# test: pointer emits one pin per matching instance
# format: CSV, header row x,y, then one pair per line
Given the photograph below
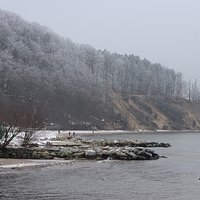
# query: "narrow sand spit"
x,y
19,163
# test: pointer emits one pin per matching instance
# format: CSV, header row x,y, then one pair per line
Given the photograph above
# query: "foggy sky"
x,y
162,31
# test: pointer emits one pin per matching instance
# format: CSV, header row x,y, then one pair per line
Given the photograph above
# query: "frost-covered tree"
x,y
38,65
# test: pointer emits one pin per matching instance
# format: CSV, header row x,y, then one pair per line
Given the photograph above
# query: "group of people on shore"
x,y
73,134
69,134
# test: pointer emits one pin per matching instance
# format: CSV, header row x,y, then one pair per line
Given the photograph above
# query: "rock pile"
x,y
88,149
116,153
129,143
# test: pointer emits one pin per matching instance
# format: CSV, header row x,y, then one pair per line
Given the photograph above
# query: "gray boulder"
x,y
90,153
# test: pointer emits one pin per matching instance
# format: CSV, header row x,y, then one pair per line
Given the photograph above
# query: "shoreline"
x,y
12,163
49,134
108,132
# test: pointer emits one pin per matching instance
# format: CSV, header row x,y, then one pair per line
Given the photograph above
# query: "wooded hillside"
x,y
76,85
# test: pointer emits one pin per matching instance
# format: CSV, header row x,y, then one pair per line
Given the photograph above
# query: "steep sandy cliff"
x,y
139,112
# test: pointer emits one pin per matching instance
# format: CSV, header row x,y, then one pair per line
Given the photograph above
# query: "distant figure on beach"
x,y
58,130
69,134
73,134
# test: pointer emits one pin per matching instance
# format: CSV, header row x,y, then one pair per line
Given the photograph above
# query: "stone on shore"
x,y
90,153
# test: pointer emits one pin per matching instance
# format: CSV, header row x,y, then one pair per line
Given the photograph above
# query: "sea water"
x,y
173,178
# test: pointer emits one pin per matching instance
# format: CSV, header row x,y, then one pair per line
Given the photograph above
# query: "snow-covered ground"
x,y
40,137
43,136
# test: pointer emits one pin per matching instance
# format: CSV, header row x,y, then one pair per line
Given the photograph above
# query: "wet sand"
x,y
19,163
4,161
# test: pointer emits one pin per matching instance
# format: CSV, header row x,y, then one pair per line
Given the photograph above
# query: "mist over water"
x,y
173,178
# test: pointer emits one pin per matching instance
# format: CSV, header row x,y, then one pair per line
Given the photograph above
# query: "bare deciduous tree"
x,y
15,119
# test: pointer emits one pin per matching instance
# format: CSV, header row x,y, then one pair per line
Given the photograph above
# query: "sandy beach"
x,y
20,163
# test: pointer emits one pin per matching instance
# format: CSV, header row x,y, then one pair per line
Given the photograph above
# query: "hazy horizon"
x,y
164,32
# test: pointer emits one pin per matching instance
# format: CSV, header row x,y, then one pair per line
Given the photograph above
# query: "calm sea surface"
x,y
176,177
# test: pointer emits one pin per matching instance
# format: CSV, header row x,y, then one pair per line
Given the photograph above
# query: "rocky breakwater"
x,y
128,143
87,149
121,153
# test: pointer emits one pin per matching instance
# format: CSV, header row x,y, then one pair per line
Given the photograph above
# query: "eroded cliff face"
x,y
141,112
